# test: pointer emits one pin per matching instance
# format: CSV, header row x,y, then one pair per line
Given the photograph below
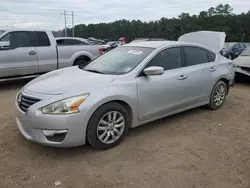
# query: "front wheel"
x,y
107,126
218,95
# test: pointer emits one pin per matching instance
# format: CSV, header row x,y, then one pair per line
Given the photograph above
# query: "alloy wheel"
x,y
219,95
110,127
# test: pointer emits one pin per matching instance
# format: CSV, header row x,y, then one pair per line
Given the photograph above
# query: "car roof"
x,y
21,29
157,44
78,38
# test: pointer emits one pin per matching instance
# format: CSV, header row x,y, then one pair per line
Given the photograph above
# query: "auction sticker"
x,y
135,52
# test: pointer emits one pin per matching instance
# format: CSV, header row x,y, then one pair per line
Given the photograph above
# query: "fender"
x,y
129,101
80,53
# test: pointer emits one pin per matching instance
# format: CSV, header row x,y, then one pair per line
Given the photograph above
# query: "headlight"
x,y
65,106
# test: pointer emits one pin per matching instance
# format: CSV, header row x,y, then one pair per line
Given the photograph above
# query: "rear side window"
x,y
42,38
195,56
212,56
168,59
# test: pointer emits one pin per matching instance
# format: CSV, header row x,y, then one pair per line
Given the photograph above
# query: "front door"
x,y
160,94
20,56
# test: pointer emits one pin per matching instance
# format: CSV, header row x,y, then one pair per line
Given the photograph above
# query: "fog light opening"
x,y
55,135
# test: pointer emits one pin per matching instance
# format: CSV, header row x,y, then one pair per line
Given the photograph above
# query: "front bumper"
x,y
36,127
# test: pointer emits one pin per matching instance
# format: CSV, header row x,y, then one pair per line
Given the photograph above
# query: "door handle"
x,y
32,53
182,77
212,69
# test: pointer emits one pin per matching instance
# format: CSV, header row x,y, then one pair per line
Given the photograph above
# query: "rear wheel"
x,y
107,126
218,95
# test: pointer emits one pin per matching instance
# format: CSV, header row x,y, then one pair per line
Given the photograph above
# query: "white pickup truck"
x,y
29,53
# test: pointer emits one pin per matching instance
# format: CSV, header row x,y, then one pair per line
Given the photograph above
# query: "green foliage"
x,y
220,18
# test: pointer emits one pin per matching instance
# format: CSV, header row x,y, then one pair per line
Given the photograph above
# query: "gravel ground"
x,y
198,148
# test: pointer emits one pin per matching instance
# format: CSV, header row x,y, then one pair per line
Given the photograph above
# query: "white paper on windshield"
x,y
135,52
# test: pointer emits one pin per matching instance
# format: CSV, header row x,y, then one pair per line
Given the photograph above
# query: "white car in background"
x,y
65,41
242,63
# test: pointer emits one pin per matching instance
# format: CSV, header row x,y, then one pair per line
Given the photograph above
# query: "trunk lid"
x,y
213,40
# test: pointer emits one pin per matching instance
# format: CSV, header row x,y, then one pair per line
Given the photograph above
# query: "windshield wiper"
x,y
95,71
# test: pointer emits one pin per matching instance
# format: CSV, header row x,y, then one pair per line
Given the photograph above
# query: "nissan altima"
x,y
124,88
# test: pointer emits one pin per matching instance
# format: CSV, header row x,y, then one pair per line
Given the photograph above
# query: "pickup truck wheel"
x,y
107,126
81,62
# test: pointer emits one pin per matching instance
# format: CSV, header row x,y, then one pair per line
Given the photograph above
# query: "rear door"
x,y
46,52
160,94
199,72
20,57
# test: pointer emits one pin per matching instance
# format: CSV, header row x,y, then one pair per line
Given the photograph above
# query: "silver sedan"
x,y
124,88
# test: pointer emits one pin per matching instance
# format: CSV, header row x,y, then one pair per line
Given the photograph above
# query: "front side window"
x,y
19,39
42,39
120,60
195,56
168,59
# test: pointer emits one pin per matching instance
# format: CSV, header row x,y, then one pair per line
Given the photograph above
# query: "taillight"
x,y
101,51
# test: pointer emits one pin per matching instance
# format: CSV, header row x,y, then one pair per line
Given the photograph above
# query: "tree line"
x,y
220,18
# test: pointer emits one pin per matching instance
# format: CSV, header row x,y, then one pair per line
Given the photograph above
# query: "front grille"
x,y
25,102
246,68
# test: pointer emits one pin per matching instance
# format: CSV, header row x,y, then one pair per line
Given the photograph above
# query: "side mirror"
x,y
154,70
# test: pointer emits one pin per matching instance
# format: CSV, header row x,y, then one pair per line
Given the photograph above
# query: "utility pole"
x,y
73,26
65,21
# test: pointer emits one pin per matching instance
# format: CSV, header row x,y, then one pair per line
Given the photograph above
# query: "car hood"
x,y
66,80
211,39
243,61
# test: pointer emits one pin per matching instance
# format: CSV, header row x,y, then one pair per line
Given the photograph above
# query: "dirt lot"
x,y
198,148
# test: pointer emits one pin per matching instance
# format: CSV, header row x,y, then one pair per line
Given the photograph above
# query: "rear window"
x,y
42,38
120,60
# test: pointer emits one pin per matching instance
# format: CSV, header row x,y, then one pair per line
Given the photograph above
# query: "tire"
x,y
81,62
214,103
96,128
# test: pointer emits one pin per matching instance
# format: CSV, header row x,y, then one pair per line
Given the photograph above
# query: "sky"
x,y
47,14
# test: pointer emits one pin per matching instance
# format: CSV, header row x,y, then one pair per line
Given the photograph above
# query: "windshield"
x,y
118,61
246,52
110,43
